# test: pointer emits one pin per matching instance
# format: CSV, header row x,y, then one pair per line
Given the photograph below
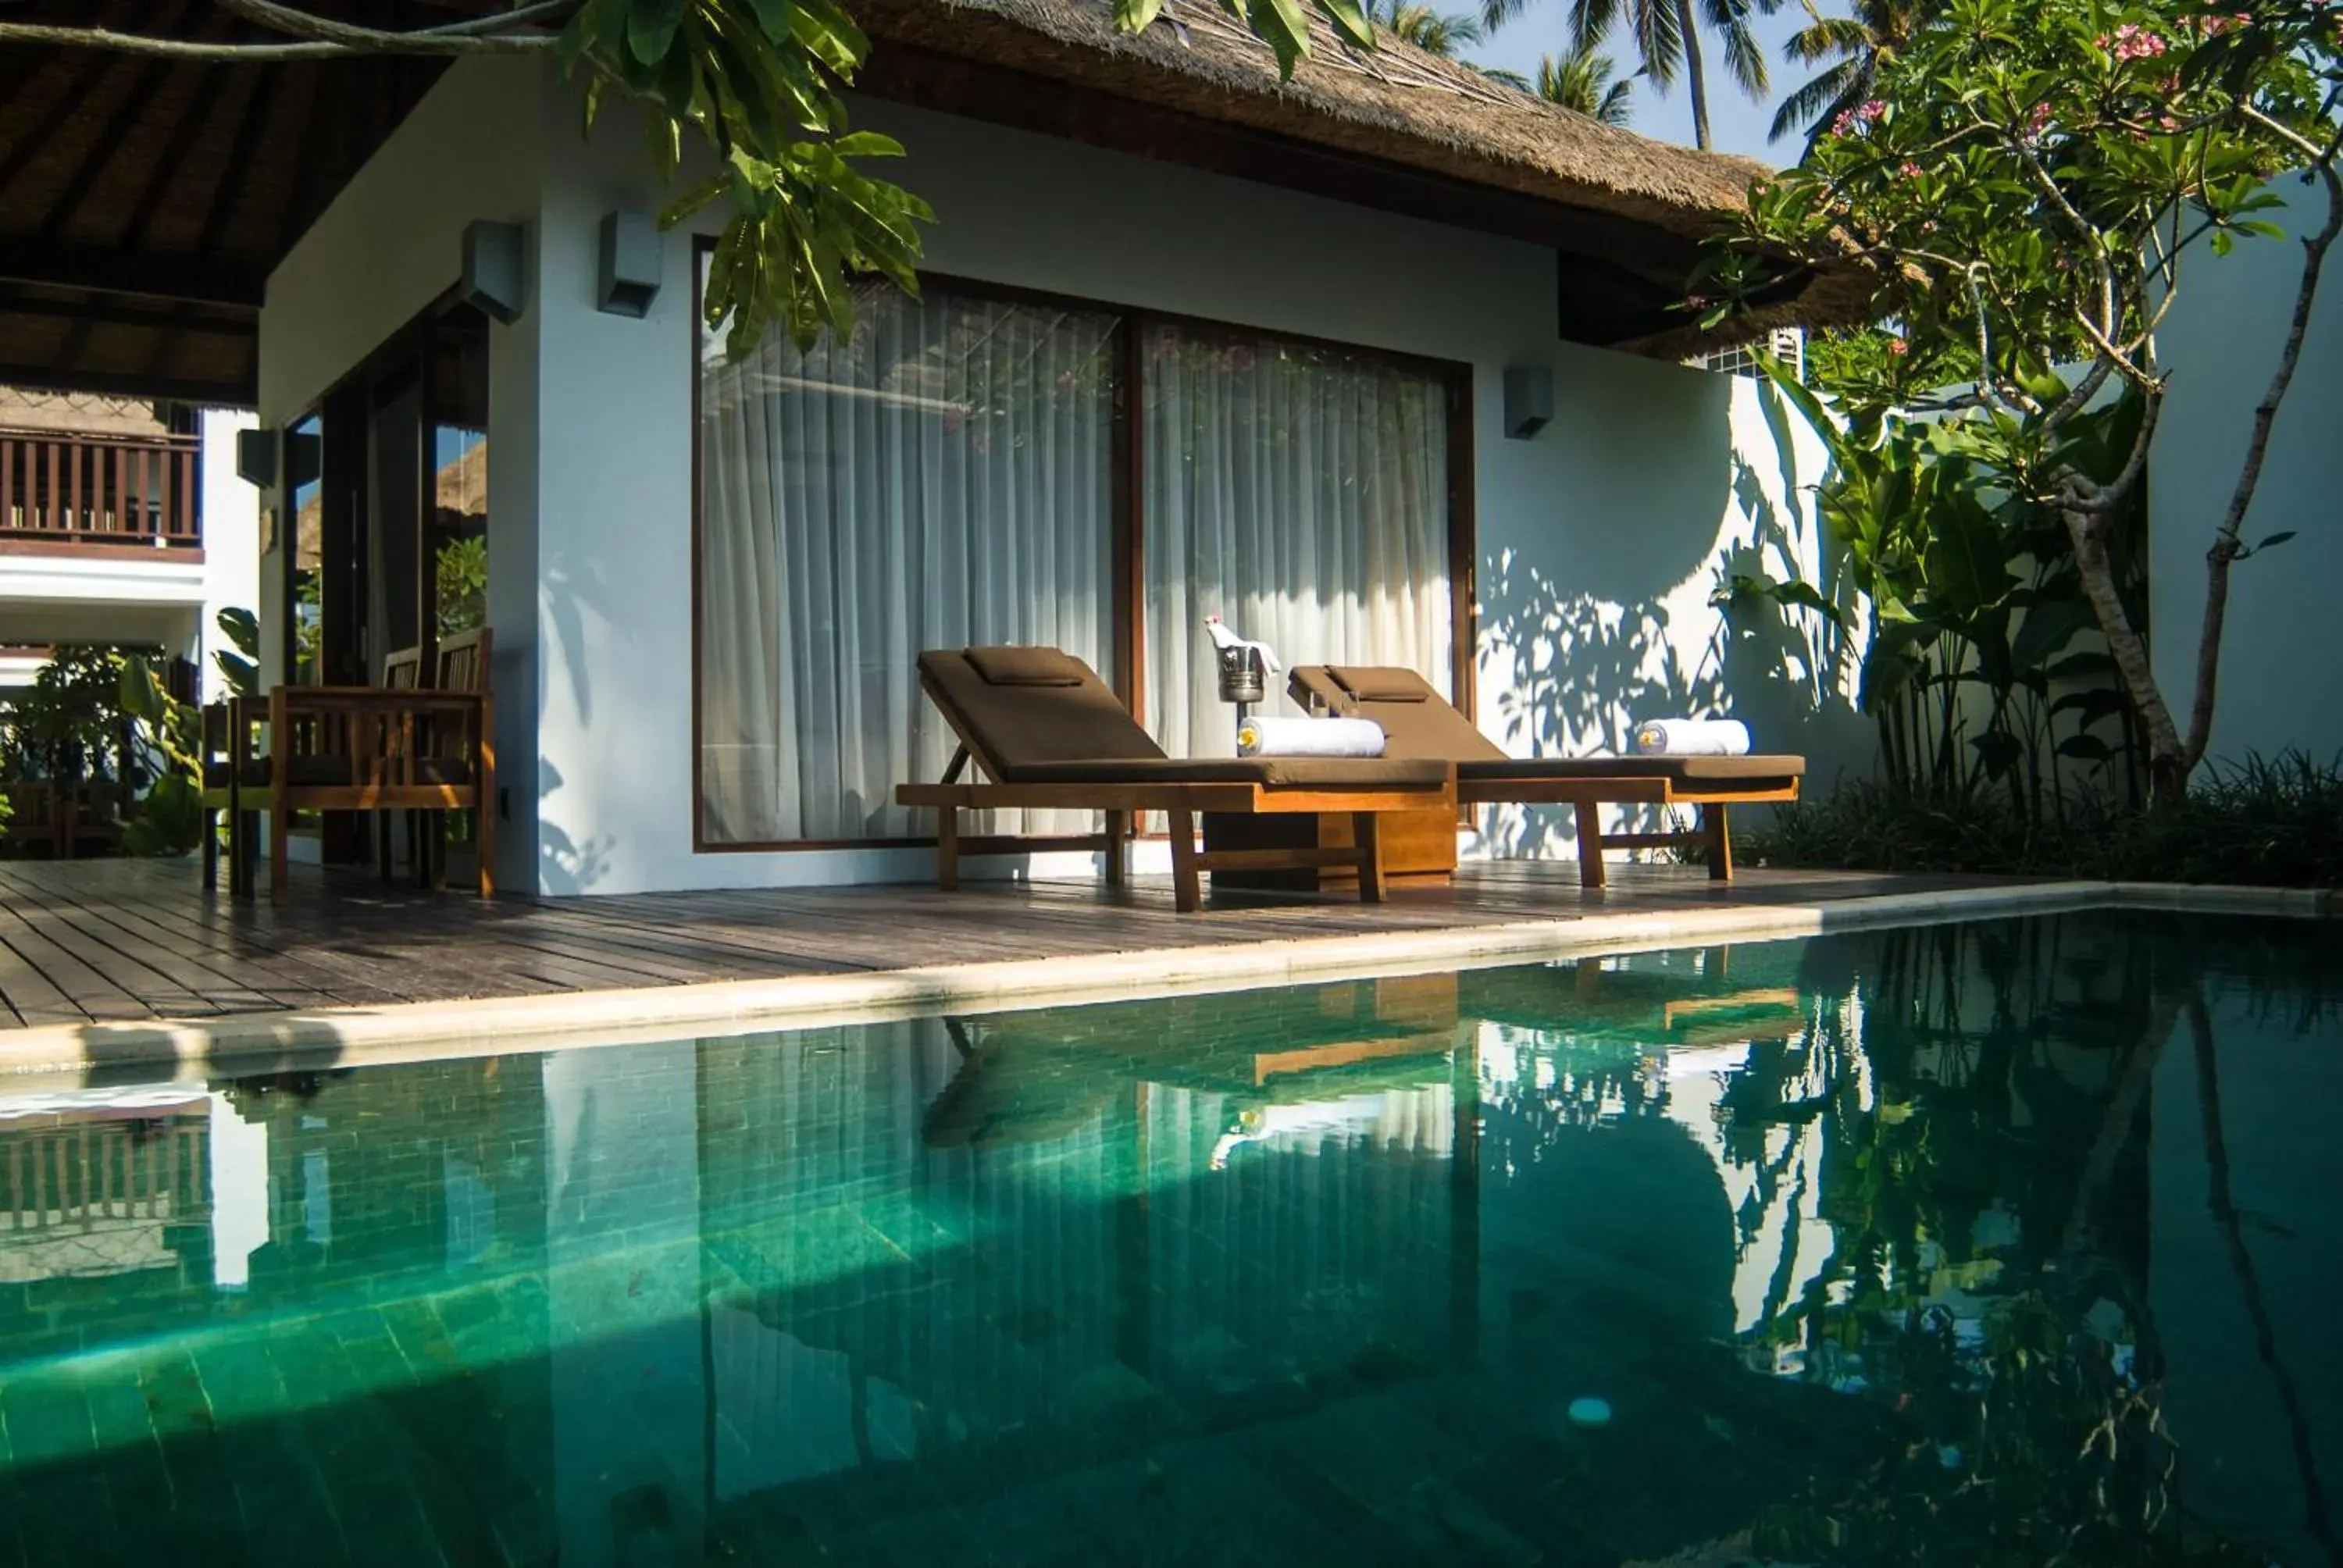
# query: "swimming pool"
x,y
1965,1243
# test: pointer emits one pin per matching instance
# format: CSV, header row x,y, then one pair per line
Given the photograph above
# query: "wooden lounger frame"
x,y
1586,796
1713,838
1180,801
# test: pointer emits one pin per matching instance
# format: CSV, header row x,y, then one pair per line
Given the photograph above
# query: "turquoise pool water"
x,y
2002,1243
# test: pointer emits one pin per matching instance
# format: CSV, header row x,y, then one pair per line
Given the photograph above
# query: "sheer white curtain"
x,y
942,479
1300,494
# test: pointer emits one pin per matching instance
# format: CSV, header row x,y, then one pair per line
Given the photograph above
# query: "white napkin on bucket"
x,y
1692,738
1274,736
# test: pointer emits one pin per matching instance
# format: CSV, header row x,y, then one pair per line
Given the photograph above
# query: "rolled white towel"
x,y
1274,736
1692,738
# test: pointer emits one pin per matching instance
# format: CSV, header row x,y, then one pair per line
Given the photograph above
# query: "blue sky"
x,y
1738,124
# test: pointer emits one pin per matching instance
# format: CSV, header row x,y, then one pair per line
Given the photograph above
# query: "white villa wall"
x,y
2281,682
231,514
1599,540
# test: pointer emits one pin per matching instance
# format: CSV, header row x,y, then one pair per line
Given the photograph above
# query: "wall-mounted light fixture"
x,y
255,458
1529,401
492,268
627,279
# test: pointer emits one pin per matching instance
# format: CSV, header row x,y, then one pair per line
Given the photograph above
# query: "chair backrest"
x,y
463,660
1418,724
402,670
1014,706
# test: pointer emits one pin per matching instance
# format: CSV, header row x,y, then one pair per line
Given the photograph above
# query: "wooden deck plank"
x,y
119,939
127,929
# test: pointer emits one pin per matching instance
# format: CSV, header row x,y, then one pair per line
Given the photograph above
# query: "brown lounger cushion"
x,y
1678,770
1276,772
1028,667
1082,734
1417,723
1011,727
1380,683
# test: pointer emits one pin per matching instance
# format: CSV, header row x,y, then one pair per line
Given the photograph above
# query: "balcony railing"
x,y
66,488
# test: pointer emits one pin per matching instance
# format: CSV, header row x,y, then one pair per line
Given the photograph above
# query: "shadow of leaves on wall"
x,y
1571,672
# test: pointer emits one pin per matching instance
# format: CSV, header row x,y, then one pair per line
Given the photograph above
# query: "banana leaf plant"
x,y
1984,666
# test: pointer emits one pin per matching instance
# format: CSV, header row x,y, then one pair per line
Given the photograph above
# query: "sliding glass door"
x,y
972,469
1299,493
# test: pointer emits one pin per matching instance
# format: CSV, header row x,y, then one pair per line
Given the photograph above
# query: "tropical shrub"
x,y
1983,668
2267,821
2032,184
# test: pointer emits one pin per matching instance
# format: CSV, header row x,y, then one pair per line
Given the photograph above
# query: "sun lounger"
x,y
1046,733
1419,723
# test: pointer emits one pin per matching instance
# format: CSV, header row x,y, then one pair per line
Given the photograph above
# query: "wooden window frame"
x,y
1127,620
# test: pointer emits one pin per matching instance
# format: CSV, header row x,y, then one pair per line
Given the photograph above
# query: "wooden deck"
x,y
122,940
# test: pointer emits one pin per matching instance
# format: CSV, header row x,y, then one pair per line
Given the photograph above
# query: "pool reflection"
x,y
1953,1245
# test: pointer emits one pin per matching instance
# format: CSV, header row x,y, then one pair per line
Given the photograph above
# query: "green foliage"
x,y
2265,822
2020,159
66,727
1983,669
169,821
2028,185
461,585
241,667
759,84
1666,37
1434,32
1583,80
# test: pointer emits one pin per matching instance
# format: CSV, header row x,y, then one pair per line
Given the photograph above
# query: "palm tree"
x,y
1580,81
1433,32
1857,46
1667,41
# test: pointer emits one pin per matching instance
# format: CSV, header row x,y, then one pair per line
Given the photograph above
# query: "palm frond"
x,y
1820,101
1827,38
1744,58
1659,42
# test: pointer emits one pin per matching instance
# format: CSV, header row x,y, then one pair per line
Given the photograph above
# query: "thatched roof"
x,y
1397,128
78,413
1397,103
143,201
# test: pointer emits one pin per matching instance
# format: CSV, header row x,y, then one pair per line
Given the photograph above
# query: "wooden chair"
x,y
462,666
1046,733
1418,721
402,670
64,819
369,749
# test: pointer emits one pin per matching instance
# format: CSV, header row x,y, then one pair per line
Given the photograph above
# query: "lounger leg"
x,y
948,847
1187,888
1118,837
382,844
1366,831
211,849
1589,815
1720,842
280,848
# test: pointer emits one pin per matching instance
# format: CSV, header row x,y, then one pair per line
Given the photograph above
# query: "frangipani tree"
x,y
757,83
2034,183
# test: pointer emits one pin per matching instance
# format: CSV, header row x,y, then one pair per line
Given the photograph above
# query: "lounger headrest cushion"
x,y
1027,667
1379,683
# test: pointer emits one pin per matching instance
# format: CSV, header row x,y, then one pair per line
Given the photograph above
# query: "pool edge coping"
x,y
93,1054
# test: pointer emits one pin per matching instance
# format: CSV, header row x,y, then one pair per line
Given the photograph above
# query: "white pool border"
x,y
80,1055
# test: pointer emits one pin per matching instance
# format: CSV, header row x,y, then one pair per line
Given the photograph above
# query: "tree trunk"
x,y
2168,763
1695,73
